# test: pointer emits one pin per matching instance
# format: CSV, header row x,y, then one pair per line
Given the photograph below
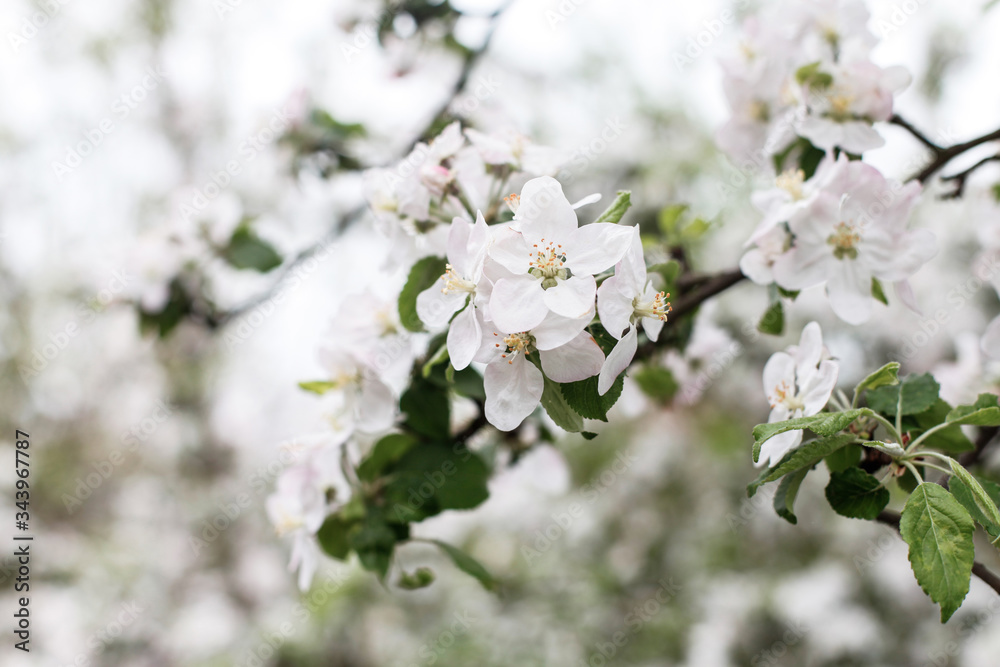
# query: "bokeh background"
x,y
166,557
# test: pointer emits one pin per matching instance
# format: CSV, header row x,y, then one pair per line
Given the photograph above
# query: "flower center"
x,y
513,202
287,523
547,263
658,308
517,343
784,395
760,111
455,283
845,239
840,107
791,182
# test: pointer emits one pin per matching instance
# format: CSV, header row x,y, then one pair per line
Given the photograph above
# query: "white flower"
x,y
434,175
852,231
798,383
553,259
623,301
514,384
513,149
757,264
792,193
460,285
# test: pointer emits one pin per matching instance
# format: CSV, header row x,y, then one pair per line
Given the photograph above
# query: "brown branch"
x,y
920,136
960,178
891,518
943,155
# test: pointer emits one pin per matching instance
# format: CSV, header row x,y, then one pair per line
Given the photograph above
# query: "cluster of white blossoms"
x,y
804,69
842,228
525,292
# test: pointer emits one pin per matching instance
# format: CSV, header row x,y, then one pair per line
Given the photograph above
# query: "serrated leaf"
x,y
856,494
423,274
784,497
618,207
332,536
893,449
983,509
823,424
656,382
582,396
386,451
469,565
805,455
877,292
773,320
939,531
984,412
246,250
318,387
559,410
887,375
919,392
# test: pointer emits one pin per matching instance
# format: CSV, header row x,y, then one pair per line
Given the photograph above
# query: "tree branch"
x,y
920,136
944,155
960,178
891,518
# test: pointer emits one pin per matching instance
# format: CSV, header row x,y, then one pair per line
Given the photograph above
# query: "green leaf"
x,y
469,383
333,536
950,440
984,509
469,565
669,271
246,250
984,412
811,76
939,531
605,340
656,382
179,304
618,207
433,477
844,458
559,410
582,396
887,375
422,577
386,451
773,320
318,387
427,409
806,455
695,229
810,158
587,435
788,489
823,424
877,292
788,294
856,494
374,541
920,392
669,219
422,276
996,188
436,359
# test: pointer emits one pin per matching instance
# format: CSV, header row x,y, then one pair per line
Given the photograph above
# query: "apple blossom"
x,y
515,150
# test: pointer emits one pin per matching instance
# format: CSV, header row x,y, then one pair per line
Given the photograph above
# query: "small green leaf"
x,y
422,577
788,489
887,375
332,536
587,435
811,76
844,458
582,396
695,229
810,158
374,541
559,410
669,219
877,292
986,512
618,207
669,271
806,455
246,250
919,392
318,387
386,451
657,382
984,412
773,320
422,276
939,531
427,409
856,494
469,565
436,359
996,188
788,294
823,424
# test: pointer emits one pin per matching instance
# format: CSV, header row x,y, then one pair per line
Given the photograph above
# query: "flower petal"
x,y
435,308
596,247
619,359
544,212
816,393
458,246
509,250
464,338
517,304
556,330
513,389
779,373
577,360
614,304
573,297
850,291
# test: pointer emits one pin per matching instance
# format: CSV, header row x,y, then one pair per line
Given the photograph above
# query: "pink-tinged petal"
x,y
509,250
577,360
573,297
774,449
850,289
904,290
617,361
435,308
544,212
458,246
513,389
492,149
652,326
990,343
916,249
596,247
816,394
556,330
802,266
615,306
779,374
518,304
756,267
464,338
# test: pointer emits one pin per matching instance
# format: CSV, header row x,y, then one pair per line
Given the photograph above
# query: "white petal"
x,y
775,448
802,267
573,297
619,359
435,308
809,351
577,360
518,304
652,326
904,290
596,247
556,330
779,372
586,201
458,246
632,266
816,394
850,291
756,267
509,250
544,212
513,389
464,338
614,306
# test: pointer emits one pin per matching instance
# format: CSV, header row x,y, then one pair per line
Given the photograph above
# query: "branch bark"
x,y
943,155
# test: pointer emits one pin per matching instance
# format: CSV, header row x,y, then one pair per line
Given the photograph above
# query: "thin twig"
x,y
920,136
960,178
